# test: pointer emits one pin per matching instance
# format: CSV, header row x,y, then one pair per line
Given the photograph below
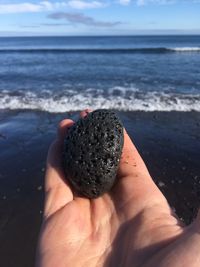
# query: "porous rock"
x,y
92,150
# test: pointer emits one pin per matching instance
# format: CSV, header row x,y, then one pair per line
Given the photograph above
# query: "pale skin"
x,y
131,226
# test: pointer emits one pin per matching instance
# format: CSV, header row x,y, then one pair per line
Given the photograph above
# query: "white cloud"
x,y
124,2
160,2
19,8
145,2
44,6
49,5
79,4
26,7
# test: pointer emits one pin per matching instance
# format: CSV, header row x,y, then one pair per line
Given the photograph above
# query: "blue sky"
x,y
99,17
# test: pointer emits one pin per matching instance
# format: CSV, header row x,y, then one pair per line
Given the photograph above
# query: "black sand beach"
x,y
168,142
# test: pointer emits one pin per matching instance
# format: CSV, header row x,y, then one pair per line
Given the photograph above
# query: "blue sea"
x,y
59,74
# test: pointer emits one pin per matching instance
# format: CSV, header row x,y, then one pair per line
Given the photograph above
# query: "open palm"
x,y
132,225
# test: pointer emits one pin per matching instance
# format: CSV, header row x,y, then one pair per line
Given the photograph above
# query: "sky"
x,y
98,17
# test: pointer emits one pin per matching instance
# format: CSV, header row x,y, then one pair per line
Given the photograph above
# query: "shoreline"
x,y
169,143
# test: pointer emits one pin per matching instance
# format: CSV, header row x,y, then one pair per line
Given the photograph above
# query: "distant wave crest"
x,y
185,49
100,50
116,98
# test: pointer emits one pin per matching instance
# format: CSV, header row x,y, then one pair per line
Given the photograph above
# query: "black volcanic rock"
x,y
92,150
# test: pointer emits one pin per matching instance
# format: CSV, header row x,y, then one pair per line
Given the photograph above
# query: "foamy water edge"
x,y
150,101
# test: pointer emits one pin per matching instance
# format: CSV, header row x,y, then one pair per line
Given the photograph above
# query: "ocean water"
x,y
59,74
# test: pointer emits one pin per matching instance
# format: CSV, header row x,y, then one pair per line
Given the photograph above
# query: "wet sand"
x,y
168,142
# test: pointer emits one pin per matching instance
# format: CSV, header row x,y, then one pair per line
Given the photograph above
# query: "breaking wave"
x,y
147,50
116,98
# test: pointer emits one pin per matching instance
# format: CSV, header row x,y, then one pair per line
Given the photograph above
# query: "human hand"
x,y
132,225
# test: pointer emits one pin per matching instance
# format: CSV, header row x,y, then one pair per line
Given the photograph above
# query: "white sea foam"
x,y
185,49
115,98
